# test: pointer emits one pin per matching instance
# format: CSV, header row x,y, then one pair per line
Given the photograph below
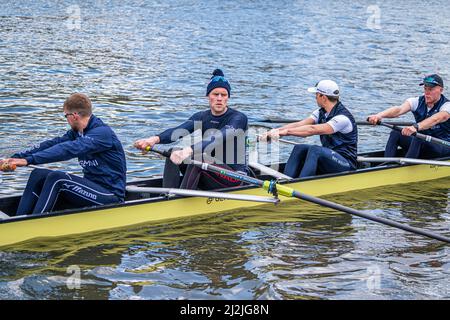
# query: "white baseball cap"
x,y
326,87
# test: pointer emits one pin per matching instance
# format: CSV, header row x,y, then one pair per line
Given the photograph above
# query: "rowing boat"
x,y
144,207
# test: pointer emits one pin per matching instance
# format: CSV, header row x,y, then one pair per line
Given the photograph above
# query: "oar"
x,y
405,160
394,123
281,140
203,194
265,126
269,171
276,120
419,135
362,123
10,168
275,188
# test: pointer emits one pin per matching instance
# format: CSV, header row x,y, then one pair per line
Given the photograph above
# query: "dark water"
x,y
146,65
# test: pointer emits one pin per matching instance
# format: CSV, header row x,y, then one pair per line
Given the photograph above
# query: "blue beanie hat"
x,y
218,81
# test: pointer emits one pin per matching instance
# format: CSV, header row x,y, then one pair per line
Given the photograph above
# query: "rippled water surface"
x,y
145,64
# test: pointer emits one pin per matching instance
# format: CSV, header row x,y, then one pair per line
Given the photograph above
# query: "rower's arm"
x,y
184,129
435,119
396,111
97,140
304,122
308,130
43,146
291,126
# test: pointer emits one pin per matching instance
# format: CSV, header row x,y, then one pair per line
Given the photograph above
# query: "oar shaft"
x,y
384,221
289,192
362,123
419,135
405,160
394,123
203,194
162,151
228,173
281,140
277,120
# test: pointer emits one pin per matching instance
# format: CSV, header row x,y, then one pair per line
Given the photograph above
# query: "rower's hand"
x,y
374,119
409,131
10,164
271,135
179,156
143,144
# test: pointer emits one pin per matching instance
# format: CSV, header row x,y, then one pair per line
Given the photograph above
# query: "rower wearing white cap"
x,y
338,135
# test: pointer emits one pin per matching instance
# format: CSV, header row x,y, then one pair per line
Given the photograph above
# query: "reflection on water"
x,y
294,251
145,64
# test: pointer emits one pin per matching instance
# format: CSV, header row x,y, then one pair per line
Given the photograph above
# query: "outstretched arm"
x,y
169,135
97,140
308,130
275,133
392,112
42,146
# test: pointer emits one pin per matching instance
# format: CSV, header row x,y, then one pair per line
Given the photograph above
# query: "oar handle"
x,y
158,149
8,167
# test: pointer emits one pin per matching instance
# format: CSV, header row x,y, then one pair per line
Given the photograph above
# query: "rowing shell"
x,y
142,207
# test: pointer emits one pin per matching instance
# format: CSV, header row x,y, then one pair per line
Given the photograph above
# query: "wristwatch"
x,y
416,125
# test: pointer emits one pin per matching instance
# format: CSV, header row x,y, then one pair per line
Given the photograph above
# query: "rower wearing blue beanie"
x,y
224,136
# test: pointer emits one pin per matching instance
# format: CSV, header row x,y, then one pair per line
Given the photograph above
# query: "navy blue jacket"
x,y
346,144
228,132
99,152
441,130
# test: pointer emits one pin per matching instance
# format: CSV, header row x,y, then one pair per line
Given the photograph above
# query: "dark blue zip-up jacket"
x,y
441,130
346,144
221,135
99,152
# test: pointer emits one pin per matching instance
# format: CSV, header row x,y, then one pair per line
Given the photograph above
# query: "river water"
x,y
145,65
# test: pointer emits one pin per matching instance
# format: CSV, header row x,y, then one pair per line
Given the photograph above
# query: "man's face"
x,y
218,101
432,94
72,119
320,99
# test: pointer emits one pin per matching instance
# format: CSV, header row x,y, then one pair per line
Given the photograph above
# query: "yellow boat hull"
x,y
145,211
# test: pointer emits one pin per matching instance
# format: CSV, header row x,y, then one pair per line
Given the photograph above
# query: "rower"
x,y
99,153
224,135
432,114
338,135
